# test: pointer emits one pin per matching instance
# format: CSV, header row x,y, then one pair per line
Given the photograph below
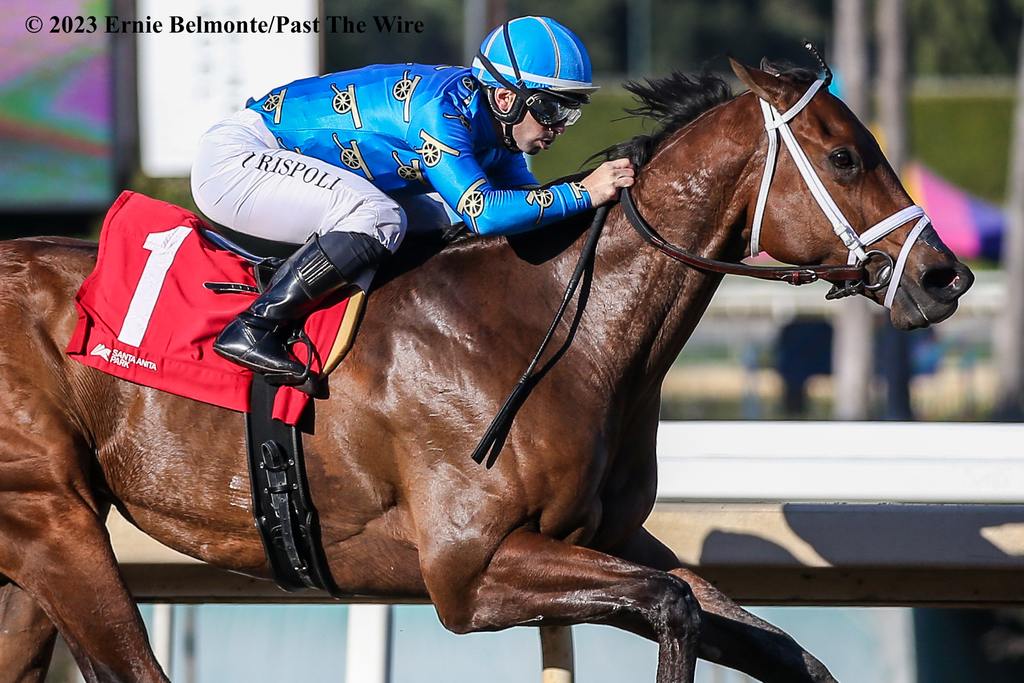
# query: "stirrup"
x,y
308,382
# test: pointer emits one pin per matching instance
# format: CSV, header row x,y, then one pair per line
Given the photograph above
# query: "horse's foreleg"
x,y
730,635
26,637
534,580
58,551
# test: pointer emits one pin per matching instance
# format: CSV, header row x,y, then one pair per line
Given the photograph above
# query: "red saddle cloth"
x,y
145,314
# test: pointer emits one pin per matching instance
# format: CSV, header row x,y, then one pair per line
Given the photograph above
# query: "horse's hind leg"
x,y
26,637
534,580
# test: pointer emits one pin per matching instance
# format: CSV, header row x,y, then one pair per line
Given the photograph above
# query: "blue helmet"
x,y
535,53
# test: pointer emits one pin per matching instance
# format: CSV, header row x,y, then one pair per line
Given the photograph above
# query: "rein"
x,y
794,275
494,438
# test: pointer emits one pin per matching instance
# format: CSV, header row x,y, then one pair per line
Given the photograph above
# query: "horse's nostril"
x,y
940,278
948,282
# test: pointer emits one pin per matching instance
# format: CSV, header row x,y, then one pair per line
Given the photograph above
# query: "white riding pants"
x,y
243,180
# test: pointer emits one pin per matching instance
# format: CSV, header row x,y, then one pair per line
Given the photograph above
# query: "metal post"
x,y
368,649
853,339
1010,331
892,95
557,663
126,97
497,13
638,48
163,636
474,27
188,645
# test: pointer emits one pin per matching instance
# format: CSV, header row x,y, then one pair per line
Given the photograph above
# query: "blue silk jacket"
x,y
412,129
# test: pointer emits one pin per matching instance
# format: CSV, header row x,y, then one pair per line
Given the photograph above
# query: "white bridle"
x,y
776,123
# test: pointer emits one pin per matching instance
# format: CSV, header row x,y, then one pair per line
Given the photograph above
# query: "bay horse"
x,y
552,534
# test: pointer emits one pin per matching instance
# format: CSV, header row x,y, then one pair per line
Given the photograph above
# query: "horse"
x,y
551,534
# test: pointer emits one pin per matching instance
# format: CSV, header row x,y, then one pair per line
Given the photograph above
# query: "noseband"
x,y
854,277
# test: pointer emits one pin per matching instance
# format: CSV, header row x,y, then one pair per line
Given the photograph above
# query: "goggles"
x,y
551,110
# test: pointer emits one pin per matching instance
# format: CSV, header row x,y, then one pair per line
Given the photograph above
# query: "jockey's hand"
x,y
604,182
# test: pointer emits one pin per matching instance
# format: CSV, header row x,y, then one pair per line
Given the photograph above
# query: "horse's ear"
x,y
767,86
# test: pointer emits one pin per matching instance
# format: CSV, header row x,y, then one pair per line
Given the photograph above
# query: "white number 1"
x,y
163,246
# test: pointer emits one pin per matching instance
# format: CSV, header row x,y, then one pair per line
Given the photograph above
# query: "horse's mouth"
x,y
917,316
932,298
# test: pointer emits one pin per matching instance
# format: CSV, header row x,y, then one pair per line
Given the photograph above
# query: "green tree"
x,y
964,36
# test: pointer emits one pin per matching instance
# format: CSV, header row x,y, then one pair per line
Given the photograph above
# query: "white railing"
x,y
915,462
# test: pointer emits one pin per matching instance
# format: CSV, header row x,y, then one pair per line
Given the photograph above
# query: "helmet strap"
x,y
517,112
506,120
506,137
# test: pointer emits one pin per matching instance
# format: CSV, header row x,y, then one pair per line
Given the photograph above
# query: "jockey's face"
x,y
529,134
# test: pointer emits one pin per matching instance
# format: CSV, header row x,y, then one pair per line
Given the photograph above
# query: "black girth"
x,y
285,516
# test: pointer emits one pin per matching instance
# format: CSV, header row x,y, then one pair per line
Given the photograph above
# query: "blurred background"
x,y
85,115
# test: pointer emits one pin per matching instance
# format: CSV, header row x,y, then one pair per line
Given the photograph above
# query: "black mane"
x,y
672,101
677,99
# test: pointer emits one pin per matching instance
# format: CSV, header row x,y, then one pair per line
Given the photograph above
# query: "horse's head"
x,y
834,199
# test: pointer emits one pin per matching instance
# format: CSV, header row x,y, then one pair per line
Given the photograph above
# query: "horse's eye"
x,y
842,159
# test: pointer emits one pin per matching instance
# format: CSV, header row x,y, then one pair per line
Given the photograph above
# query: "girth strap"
x,y
285,516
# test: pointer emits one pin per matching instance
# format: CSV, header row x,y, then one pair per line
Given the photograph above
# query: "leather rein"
x,y
794,275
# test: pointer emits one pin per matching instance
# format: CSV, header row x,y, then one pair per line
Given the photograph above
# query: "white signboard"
x,y
205,60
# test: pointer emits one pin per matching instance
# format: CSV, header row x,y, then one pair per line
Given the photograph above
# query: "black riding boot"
x,y
257,338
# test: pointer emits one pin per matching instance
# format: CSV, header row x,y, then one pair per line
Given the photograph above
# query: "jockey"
x,y
337,163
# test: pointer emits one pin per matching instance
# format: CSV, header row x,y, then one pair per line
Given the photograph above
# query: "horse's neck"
x,y
692,193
